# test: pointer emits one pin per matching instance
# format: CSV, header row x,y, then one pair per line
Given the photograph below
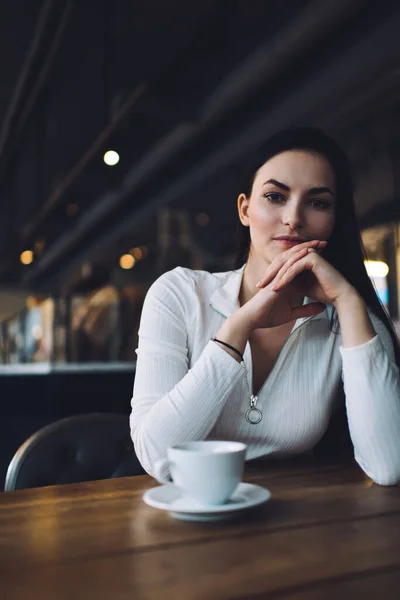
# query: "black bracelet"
x,y
229,346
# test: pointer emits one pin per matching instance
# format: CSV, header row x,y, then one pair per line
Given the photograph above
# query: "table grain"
x,y
328,532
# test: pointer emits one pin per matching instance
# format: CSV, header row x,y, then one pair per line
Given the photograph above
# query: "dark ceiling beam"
x,y
355,109
307,29
310,27
45,68
142,89
24,74
345,73
297,37
78,168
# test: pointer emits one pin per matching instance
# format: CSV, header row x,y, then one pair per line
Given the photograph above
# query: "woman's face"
x,y
292,200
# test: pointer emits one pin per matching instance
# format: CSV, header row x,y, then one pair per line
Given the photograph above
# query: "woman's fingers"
x,y
289,272
290,256
292,260
278,263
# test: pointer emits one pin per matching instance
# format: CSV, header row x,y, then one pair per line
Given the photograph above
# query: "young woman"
x,y
264,353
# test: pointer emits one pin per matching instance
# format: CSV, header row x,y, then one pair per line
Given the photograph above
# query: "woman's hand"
x,y
314,277
289,258
299,272
270,307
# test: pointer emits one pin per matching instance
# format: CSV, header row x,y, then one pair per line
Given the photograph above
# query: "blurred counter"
x,y
46,368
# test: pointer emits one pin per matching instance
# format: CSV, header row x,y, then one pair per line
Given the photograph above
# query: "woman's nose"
x,y
292,217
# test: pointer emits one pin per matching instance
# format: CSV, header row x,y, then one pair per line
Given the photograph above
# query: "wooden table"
x,y
327,533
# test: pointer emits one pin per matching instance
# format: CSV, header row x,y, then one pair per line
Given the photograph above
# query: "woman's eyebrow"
x,y
286,188
320,190
278,184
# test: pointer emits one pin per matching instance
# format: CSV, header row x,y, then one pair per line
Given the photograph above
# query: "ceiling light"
x,y
111,158
127,261
26,257
376,268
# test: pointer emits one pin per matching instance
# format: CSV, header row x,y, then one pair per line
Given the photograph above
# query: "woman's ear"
x,y
243,208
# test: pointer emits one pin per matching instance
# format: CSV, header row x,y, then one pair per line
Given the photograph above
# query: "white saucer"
x,y
170,498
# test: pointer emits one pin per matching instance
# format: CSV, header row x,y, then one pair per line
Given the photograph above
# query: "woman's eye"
x,y
274,197
320,204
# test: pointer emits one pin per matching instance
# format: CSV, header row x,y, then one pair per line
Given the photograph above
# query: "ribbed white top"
x,y
188,388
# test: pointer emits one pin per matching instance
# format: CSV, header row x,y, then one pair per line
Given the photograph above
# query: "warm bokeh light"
x,y
26,257
127,261
376,268
111,158
136,253
202,219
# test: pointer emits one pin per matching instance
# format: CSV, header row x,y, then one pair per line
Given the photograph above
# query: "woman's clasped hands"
x,y
297,272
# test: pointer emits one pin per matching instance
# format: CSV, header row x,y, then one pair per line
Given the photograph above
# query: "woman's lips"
x,y
287,241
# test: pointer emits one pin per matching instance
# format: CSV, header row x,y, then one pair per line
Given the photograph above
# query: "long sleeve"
x,y
372,388
171,402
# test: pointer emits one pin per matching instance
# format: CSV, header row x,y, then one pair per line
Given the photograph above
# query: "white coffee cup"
x,y
206,471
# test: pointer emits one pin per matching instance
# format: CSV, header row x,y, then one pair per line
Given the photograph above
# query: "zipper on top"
x,y
250,370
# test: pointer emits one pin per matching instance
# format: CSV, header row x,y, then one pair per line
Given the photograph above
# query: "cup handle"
x,y
159,468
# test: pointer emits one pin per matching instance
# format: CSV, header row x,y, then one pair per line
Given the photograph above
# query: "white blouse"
x,y
188,388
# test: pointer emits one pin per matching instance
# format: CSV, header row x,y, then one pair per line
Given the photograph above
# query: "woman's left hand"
x,y
314,277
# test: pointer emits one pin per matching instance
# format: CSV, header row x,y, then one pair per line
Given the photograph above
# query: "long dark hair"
x,y
345,250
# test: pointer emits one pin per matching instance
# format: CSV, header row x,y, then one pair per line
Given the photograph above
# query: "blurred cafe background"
x,y
125,130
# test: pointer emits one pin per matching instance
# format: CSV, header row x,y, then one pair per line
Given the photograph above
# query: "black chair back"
x,y
79,448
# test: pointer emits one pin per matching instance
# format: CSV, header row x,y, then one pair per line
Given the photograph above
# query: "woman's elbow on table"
x,y
146,451
387,476
387,479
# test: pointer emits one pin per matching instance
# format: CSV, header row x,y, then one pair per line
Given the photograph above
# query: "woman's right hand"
x,y
269,308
